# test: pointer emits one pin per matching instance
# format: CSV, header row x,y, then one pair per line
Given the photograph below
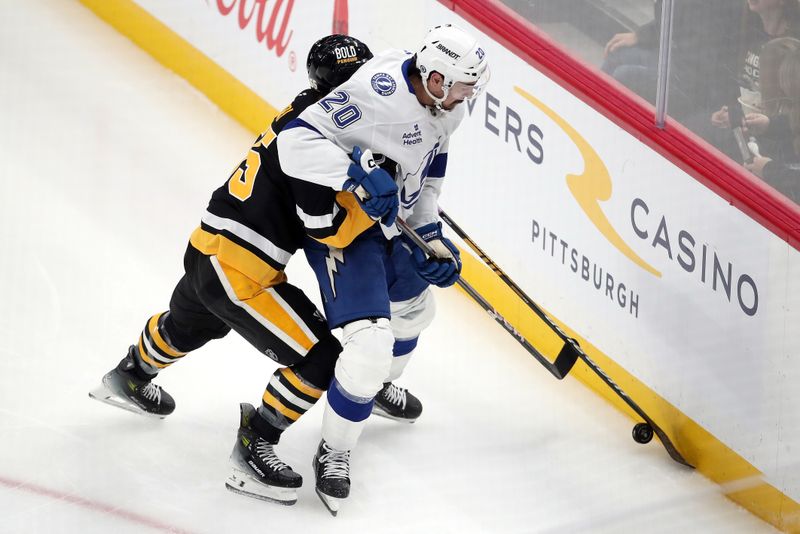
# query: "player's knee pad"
x,y
318,365
366,356
412,316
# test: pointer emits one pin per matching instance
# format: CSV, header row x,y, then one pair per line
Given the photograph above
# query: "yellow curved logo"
x,y
592,186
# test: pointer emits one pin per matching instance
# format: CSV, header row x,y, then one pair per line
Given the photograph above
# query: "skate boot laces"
x,y
152,392
395,395
266,452
337,463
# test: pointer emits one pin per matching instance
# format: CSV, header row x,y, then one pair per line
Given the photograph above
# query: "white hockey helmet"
x,y
455,55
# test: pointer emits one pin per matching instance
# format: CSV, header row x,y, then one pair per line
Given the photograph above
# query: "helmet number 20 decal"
x,y
344,114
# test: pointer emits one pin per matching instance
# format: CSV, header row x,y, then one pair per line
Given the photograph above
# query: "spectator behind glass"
x,y
703,53
783,173
763,20
770,126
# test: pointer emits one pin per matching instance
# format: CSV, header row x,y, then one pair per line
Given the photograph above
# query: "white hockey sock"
x,y
398,366
338,432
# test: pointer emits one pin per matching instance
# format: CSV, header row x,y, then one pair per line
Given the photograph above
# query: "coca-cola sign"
x,y
270,21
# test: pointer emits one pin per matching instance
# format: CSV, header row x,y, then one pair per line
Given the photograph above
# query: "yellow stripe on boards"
x,y
270,400
299,385
175,53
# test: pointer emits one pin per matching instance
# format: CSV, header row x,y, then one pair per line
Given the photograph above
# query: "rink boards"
x,y
686,301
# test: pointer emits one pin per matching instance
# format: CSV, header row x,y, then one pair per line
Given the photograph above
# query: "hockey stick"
x,y
565,359
504,277
640,433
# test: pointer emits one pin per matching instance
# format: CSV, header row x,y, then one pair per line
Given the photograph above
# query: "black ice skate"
x,y
332,469
256,469
123,388
397,403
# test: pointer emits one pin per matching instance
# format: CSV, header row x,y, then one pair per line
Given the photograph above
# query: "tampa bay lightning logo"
x,y
383,84
413,182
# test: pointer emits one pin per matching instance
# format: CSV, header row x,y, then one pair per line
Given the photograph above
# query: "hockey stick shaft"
x,y
558,369
504,277
668,445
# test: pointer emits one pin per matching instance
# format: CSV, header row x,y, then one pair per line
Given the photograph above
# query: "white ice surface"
x,y
106,163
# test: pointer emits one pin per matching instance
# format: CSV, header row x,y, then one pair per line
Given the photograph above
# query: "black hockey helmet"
x,y
333,59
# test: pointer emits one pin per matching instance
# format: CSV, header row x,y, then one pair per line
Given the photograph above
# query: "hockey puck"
x,y
642,433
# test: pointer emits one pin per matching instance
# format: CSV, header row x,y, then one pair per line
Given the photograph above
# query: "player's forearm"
x,y
426,209
307,155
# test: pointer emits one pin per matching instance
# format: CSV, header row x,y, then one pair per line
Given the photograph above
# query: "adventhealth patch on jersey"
x,y
412,138
383,84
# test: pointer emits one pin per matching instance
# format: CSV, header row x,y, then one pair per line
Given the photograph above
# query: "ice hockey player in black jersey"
x,y
234,279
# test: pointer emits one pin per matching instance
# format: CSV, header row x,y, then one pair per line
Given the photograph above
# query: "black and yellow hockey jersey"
x,y
260,216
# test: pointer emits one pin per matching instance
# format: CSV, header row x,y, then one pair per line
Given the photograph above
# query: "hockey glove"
x,y
381,200
443,268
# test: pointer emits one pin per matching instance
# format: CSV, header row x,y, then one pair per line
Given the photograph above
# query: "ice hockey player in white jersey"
x,y
402,108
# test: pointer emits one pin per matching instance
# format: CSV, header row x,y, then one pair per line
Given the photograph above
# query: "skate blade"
x,y
379,411
331,503
243,484
103,394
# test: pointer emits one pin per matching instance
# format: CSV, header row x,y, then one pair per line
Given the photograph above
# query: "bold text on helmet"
x,y
345,52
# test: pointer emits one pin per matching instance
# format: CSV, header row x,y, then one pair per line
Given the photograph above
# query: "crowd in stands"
x,y
734,79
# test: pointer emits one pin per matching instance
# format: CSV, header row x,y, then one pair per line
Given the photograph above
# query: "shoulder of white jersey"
x,y
392,53
382,76
379,78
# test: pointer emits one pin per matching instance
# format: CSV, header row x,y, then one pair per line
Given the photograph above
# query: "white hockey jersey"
x,y
376,109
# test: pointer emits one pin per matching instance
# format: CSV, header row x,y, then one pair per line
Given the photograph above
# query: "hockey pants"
x,y
280,321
